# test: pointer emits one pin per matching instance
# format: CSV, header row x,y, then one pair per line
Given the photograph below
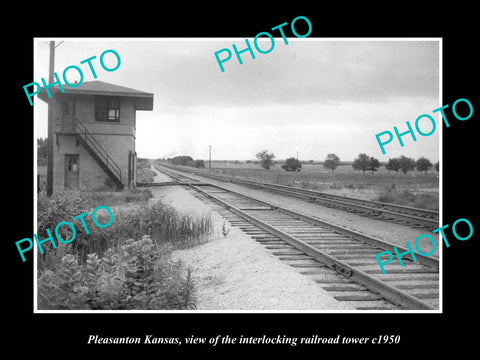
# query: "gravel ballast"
x,y
234,272
383,230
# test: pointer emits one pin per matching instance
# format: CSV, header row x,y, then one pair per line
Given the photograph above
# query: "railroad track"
x,y
404,215
342,261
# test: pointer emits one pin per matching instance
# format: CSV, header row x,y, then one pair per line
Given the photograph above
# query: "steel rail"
x,y
424,217
387,291
390,293
313,196
382,244
316,193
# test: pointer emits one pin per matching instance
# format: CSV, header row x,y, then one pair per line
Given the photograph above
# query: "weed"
x,y
225,229
126,277
407,198
110,184
163,223
145,174
109,198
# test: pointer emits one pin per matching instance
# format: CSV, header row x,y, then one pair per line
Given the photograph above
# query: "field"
x,y
411,189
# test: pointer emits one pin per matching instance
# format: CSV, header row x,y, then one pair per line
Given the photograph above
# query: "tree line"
x,y
362,162
405,164
186,161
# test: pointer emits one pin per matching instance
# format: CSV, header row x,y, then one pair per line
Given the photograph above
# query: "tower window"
x,y
107,108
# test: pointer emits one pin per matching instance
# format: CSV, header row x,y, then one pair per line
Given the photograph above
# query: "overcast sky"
x,y
313,96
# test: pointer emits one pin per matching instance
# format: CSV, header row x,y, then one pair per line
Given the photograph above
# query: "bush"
x,y
163,223
145,173
51,211
107,268
128,277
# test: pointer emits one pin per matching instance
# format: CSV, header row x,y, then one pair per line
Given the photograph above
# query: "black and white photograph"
x,y
282,182
259,188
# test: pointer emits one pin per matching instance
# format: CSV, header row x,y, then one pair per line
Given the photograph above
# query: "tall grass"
x,y
407,198
163,223
180,230
107,268
110,198
308,178
317,178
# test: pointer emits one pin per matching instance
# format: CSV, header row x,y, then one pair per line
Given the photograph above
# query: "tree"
x,y
42,148
266,159
361,162
41,151
373,164
393,164
423,164
199,164
292,164
181,160
331,162
406,164
437,166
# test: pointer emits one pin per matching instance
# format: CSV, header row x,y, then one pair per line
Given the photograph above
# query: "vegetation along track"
x,y
340,260
405,215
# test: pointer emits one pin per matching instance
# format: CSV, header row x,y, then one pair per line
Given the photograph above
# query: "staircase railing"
x,y
82,131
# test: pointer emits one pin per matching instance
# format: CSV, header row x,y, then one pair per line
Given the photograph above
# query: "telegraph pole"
x,y
50,123
209,157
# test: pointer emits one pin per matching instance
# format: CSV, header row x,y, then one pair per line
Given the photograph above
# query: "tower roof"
x,y
143,100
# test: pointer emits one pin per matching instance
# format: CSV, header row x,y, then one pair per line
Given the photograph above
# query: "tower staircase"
x,y
98,153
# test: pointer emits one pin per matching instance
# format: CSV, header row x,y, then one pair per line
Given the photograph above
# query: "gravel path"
x,y
234,272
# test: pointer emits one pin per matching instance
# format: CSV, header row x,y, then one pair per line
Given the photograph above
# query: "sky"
x,y
310,97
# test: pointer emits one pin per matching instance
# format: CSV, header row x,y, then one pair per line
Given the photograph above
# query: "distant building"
x,y
94,134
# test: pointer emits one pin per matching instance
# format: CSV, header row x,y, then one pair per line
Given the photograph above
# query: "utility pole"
x,y
209,157
50,123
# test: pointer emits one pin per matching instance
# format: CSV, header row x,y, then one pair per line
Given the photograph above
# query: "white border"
x,y
439,311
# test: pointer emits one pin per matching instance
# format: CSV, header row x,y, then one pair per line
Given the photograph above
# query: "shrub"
x,y
163,223
145,175
127,277
61,207
107,269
